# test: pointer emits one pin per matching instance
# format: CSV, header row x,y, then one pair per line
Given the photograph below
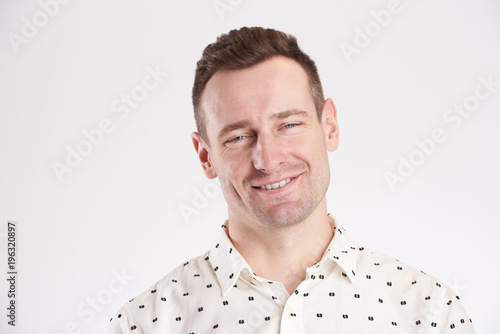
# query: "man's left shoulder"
x,y
426,299
397,274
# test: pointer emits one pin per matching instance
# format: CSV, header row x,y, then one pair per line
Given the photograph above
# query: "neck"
x,y
283,254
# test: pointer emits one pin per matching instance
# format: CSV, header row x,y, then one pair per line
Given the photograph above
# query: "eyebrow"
x,y
290,112
242,124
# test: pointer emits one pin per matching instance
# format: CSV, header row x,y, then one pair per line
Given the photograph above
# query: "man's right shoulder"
x,y
179,287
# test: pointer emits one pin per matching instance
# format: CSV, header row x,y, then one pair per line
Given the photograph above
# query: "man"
x,y
281,263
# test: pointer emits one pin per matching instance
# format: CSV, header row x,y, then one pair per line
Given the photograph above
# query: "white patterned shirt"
x,y
351,290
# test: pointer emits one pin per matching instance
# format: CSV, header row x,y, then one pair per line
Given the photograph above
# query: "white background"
x,y
119,210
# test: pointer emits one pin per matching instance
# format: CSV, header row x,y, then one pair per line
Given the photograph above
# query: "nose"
x,y
267,154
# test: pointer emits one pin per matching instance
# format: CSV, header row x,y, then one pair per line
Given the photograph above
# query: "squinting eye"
x,y
291,125
236,139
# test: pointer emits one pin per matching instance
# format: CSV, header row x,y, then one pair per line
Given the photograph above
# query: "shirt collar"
x,y
342,250
226,261
228,264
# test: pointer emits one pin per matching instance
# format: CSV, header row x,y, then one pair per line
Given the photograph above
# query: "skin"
x,y
263,128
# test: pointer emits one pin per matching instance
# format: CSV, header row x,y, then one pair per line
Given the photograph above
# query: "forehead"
x,y
272,86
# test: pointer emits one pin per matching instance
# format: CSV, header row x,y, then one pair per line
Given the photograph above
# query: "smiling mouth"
x,y
276,185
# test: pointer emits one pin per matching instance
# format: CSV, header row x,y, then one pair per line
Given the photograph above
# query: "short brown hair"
x,y
243,48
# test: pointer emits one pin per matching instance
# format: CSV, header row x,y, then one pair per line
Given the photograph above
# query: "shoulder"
x,y
142,312
427,300
396,275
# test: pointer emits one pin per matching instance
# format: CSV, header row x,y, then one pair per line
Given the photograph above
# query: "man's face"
x,y
267,146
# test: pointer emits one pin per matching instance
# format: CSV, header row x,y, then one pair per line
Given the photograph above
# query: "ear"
x,y
204,155
330,125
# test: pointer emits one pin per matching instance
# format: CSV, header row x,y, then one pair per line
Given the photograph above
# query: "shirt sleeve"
x,y
120,324
454,317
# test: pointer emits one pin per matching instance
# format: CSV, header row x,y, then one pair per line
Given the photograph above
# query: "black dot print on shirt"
x,y
133,327
190,283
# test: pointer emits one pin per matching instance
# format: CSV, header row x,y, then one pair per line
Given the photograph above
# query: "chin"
x,y
284,217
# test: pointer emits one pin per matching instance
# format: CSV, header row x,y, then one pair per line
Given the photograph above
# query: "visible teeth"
x,y
276,185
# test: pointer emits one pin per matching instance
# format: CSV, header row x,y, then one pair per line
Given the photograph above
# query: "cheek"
x,y
233,168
